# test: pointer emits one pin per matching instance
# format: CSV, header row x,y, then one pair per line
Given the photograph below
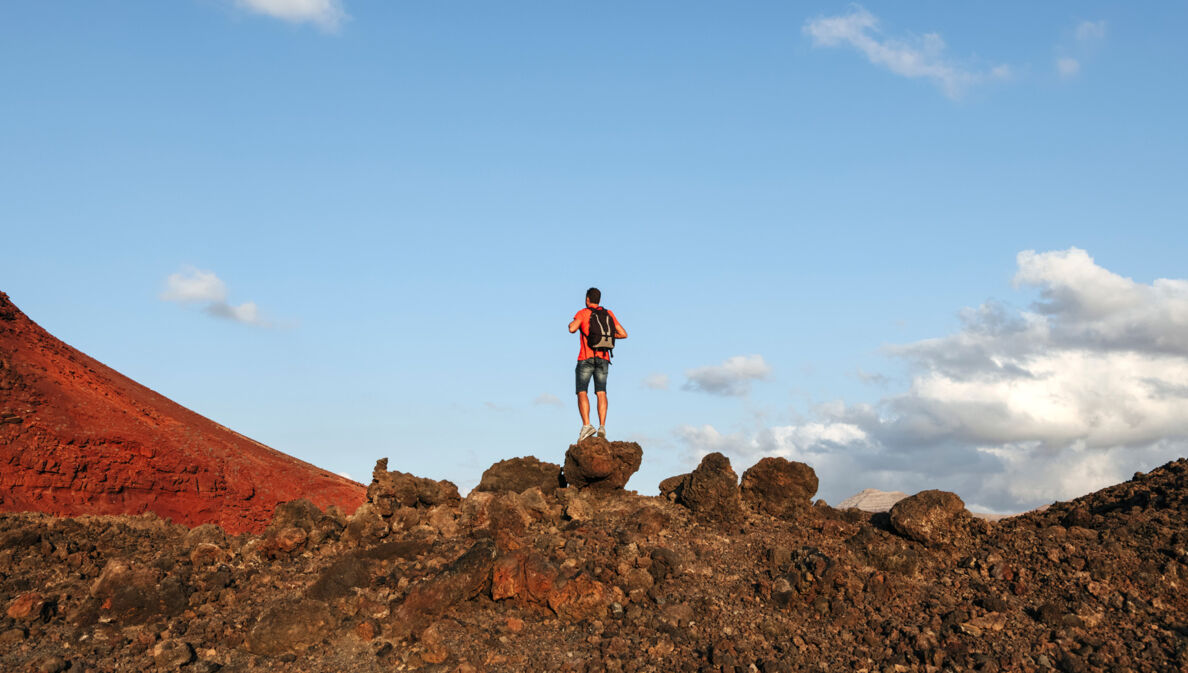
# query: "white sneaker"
x,y
587,431
602,431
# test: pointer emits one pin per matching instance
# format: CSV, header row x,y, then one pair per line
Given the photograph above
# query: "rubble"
x,y
592,580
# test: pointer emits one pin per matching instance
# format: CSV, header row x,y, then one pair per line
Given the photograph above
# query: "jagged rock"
x,y
601,464
208,533
392,490
30,606
779,487
521,474
671,487
581,598
465,578
339,578
711,490
172,654
299,513
132,594
289,626
931,517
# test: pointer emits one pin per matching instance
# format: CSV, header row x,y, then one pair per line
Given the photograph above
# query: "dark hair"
x,y
594,295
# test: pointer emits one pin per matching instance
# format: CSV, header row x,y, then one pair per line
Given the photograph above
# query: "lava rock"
x,y
711,490
389,491
600,464
932,517
132,594
520,474
779,487
289,626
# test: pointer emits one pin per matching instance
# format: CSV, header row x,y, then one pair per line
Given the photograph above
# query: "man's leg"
x,y
584,406
601,407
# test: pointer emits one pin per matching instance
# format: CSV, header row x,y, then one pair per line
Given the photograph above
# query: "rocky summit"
x,y
77,437
540,573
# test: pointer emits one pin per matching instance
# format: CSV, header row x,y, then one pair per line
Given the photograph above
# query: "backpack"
x,y
601,335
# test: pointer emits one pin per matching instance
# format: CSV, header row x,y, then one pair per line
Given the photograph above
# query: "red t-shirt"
x,y
586,352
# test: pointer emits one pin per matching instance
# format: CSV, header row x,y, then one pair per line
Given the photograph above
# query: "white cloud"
x,y
732,377
656,381
326,14
1018,407
548,399
1091,30
195,286
915,57
1068,67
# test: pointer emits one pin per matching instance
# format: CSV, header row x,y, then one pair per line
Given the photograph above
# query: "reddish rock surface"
x,y
77,437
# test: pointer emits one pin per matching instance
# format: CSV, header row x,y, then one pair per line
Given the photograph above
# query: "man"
x,y
592,363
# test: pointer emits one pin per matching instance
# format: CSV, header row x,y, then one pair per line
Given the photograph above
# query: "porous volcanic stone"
x,y
601,464
711,491
290,626
389,491
779,487
932,517
521,474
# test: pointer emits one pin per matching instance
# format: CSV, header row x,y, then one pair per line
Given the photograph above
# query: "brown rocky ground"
x,y
601,579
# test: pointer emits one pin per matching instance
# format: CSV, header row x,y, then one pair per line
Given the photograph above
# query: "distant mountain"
x,y
77,437
872,500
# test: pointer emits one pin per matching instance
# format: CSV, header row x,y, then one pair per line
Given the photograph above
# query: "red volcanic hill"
x,y
77,437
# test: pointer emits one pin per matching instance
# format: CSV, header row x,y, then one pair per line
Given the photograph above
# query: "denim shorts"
x,y
596,367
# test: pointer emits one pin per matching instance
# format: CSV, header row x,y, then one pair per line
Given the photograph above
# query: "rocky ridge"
x,y
596,578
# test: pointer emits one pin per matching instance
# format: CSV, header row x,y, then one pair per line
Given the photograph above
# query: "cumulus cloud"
x,y
1068,67
656,381
326,14
195,286
731,378
913,57
548,399
1018,407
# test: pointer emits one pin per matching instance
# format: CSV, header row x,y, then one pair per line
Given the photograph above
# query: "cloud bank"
x,y
912,57
1018,407
731,378
326,14
195,286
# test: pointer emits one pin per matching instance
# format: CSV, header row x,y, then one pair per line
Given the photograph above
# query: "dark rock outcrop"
x,y
389,491
601,464
711,490
521,474
779,487
931,517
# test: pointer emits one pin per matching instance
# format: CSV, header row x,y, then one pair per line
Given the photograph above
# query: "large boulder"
x,y
390,491
779,487
711,490
601,464
935,518
521,474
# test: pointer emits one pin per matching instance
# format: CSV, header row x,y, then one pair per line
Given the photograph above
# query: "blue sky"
x,y
414,197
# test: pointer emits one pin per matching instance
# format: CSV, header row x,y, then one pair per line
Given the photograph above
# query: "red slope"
x,y
77,437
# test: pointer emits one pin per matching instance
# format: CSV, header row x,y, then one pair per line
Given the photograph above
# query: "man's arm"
x,y
620,333
573,326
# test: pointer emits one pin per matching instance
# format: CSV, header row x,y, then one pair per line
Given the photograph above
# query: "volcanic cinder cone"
x,y
77,437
